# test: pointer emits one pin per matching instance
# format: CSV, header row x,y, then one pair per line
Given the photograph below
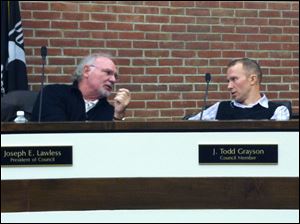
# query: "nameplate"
x,y
36,155
238,154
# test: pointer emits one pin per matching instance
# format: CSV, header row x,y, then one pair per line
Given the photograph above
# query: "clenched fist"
x,y
121,102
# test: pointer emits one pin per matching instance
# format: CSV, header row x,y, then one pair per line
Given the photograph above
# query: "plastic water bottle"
x,y
20,117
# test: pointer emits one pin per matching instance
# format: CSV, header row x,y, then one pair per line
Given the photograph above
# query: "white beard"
x,y
104,93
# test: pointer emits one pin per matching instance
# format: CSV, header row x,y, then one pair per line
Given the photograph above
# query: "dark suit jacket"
x,y
66,103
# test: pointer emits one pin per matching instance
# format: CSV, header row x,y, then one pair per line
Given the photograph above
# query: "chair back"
x,y
17,100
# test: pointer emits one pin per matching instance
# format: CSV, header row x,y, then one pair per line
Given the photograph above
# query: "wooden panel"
x,y
149,193
171,126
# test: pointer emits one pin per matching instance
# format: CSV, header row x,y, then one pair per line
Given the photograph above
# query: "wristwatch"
x,y
119,119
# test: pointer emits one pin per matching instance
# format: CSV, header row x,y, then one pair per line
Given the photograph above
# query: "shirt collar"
x,y
89,104
263,101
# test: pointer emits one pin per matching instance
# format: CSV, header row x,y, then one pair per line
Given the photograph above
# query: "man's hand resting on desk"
x,y
121,102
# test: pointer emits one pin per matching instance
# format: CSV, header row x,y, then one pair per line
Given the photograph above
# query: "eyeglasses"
x,y
108,72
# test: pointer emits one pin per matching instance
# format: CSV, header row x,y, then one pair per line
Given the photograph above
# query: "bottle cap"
x,y
20,113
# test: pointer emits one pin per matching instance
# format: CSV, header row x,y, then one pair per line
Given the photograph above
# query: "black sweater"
x,y
227,111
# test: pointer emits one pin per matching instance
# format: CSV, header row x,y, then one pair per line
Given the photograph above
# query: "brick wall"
x,y
164,48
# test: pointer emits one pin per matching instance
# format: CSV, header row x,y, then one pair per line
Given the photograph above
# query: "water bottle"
x,y
20,117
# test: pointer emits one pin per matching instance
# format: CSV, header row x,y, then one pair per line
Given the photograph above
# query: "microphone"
x,y
207,77
44,52
207,80
43,55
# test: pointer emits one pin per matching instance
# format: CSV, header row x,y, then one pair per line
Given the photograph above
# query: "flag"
x,y
13,65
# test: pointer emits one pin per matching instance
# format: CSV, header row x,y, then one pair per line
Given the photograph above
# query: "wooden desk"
x,y
137,165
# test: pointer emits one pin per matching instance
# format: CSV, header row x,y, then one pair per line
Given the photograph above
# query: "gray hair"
x,y
249,65
88,60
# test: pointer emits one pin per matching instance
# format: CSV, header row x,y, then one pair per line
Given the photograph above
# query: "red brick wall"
x,y
163,48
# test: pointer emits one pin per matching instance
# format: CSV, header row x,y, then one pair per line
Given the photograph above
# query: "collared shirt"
x,y
281,112
89,104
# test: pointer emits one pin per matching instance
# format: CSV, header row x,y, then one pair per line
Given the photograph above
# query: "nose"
x,y
112,78
229,85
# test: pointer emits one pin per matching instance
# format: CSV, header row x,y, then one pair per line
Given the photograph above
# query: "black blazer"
x,y
66,103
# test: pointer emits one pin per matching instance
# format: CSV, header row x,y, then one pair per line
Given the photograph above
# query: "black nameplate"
x,y
36,155
223,154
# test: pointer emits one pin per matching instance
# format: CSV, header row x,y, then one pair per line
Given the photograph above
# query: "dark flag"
x,y
13,65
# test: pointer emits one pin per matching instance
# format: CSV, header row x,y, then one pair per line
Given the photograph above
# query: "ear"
x,y
86,70
253,79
